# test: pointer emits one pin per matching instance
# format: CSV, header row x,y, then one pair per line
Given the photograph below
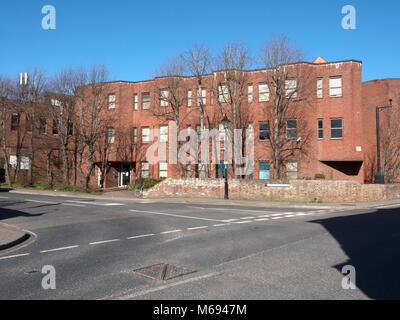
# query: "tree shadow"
x,y
5,189
372,243
10,213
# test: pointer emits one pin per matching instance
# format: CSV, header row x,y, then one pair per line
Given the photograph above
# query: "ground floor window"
x,y
264,173
145,169
163,169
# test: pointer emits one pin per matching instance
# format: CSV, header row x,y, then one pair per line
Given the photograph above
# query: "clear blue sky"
x,y
133,37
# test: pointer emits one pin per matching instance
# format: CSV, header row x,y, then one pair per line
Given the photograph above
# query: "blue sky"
x,y
133,37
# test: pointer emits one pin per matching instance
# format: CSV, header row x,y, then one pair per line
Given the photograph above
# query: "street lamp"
x,y
380,176
225,122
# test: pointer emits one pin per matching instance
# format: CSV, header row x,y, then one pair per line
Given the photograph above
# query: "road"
x,y
235,252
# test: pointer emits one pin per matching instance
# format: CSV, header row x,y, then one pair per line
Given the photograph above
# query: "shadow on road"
x,y
10,213
372,243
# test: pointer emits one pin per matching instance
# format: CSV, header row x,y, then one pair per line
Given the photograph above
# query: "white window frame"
x,y
263,92
189,98
335,90
250,93
145,103
291,88
223,93
320,88
144,169
111,101
163,169
163,134
110,135
337,128
201,97
145,138
135,101
135,135
163,98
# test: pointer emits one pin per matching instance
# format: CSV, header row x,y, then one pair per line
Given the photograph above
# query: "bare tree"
x,y
4,117
288,89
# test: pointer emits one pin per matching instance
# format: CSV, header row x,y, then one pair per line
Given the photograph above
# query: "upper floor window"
x,y
145,135
135,101
201,97
320,93
55,126
145,100
337,128
42,125
250,93
291,88
223,93
164,133
263,92
14,121
189,98
164,98
163,169
70,128
28,123
111,101
320,129
263,131
335,86
134,135
291,129
110,135
144,171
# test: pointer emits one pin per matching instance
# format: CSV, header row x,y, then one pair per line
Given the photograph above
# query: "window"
x,y
291,88
111,101
163,169
250,131
14,121
263,131
163,133
250,93
135,101
291,170
320,93
335,86
134,130
189,98
70,128
221,132
28,123
145,100
320,129
188,170
55,126
110,135
145,135
144,172
264,170
201,97
42,125
164,98
198,131
291,129
223,93
337,128
55,102
263,92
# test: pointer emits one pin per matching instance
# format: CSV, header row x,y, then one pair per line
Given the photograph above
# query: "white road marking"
x,y
276,218
241,210
198,228
141,236
262,219
242,222
221,225
290,216
276,214
4,198
59,249
106,241
73,205
95,203
176,215
266,216
230,220
301,214
172,231
40,201
15,256
245,218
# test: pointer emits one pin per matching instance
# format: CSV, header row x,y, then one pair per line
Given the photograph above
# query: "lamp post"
x,y
380,176
225,122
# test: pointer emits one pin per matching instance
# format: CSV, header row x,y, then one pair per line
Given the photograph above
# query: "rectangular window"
x,y
263,92
135,101
263,131
291,88
28,123
335,86
134,134
164,133
198,131
189,98
110,135
144,172
221,132
223,93
163,169
42,125
291,170
111,101
250,93
320,93
14,121
320,129
145,135
291,129
250,131
145,100
201,97
55,126
164,98
264,170
70,128
337,128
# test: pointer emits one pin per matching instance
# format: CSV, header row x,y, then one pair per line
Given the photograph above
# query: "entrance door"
x,y
124,175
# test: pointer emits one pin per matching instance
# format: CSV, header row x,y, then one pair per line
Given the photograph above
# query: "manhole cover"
x,y
163,271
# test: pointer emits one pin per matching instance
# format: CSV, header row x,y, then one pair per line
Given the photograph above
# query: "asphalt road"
x,y
237,252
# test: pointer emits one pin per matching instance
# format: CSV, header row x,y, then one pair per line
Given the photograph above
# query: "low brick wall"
x,y
298,191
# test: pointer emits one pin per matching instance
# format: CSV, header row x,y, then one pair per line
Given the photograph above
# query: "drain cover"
x,y
163,271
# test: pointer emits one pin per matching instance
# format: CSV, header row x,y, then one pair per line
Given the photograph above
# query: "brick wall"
x,y
299,190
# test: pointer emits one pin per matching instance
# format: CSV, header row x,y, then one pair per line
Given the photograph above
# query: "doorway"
x,y
124,178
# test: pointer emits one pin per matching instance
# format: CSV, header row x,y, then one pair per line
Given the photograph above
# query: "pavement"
x,y
11,236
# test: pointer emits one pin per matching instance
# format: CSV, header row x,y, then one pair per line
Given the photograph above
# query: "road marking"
x,y
290,216
176,215
142,236
241,210
96,203
276,214
172,231
4,198
276,218
59,249
266,216
242,222
263,219
301,214
198,228
196,207
221,225
15,256
40,201
106,241
230,220
73,205
245,218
